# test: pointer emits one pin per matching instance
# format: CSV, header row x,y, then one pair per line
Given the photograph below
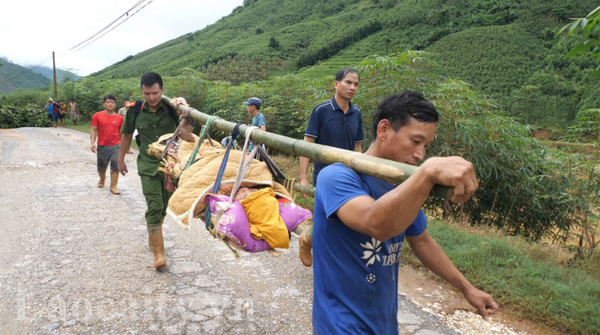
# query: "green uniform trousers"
x,y
157,199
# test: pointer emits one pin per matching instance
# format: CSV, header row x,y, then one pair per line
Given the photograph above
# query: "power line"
x,y
110,24
92,38
95,37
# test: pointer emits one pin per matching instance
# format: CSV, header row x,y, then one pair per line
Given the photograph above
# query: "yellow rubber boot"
x,y
158,246
114,179
102,179
305,243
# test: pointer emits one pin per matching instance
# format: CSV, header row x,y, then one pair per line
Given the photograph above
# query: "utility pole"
x,y
54,66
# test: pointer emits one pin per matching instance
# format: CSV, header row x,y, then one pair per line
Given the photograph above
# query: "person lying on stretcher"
x,y
262,209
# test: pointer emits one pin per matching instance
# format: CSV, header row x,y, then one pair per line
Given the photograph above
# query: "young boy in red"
x,y
106,126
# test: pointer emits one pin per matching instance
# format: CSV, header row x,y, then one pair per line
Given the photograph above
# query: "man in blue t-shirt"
x,y
50,108
258,119
335,123
361,222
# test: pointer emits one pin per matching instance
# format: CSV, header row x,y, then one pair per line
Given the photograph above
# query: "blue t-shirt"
x,y
329,125
355,275
50,108
257,121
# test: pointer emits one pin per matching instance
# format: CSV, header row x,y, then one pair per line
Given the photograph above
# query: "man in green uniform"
x,y
153,121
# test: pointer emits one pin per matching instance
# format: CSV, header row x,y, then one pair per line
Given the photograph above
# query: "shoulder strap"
x,y
171,112
136,110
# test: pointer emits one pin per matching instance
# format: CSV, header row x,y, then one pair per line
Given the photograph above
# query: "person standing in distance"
x,y
154,120
73,110
336,123
106,126
258,119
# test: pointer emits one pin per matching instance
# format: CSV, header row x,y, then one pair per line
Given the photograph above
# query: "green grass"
x,y
525,279
329,67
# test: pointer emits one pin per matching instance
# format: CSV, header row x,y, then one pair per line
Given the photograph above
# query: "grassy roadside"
x,y
86,127
534,281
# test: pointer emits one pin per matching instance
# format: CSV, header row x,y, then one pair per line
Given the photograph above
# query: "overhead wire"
x,y
92,39
110,24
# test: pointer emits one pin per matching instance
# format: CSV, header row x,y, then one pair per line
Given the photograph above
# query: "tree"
x,y
590,26
274,43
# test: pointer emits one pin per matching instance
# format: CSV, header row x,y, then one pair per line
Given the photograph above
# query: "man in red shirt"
x,y
106,125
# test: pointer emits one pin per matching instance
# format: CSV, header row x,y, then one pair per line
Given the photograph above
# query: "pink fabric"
x,y
292,214
234,223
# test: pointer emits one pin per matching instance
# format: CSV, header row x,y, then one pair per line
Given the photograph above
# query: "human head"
x,y
253,105
243,192
109,102
405,124
341,74
254,101
72,100
152,89
346,84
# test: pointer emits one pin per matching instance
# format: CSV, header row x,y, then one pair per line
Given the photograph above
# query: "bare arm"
x,y
391,214
436,260
304,162
93,136
125,144
357,147
263,127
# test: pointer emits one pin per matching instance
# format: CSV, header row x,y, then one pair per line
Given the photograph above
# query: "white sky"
x,y
28,34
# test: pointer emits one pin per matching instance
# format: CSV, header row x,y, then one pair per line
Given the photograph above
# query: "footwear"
x,y
114,179
158,246
305,243
102,179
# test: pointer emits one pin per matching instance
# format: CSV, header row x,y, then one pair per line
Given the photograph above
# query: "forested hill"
x,y
14,77
505,48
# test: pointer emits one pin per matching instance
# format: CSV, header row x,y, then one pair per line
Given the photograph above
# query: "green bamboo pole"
x,y
390,171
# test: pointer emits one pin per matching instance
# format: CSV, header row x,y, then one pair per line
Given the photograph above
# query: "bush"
x,y
29,115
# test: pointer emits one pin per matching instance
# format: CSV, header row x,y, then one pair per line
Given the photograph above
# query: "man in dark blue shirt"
x,y
361,223
336,123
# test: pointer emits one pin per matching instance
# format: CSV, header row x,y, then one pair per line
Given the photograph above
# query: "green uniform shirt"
x,y
150,126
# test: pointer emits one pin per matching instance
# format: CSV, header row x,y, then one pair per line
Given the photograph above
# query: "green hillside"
x,y
61,75
504,48
14,77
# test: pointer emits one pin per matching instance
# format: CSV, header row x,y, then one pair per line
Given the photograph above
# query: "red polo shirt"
x,y
109,127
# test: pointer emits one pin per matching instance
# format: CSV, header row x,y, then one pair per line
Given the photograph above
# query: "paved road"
x,y
75,258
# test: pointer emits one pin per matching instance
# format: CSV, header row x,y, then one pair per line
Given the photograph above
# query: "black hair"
x,y
151,78
399,108
109,97
257,107
126,99
72,99
341,74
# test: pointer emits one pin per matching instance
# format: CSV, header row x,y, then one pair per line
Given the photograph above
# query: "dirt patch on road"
x,y
421,286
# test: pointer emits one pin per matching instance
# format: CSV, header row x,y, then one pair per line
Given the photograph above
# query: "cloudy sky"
x,y
30,30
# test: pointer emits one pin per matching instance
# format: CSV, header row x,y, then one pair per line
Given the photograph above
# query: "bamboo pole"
x,y
390,171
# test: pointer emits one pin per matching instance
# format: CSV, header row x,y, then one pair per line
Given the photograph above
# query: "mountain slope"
x,y
14,77
61,75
